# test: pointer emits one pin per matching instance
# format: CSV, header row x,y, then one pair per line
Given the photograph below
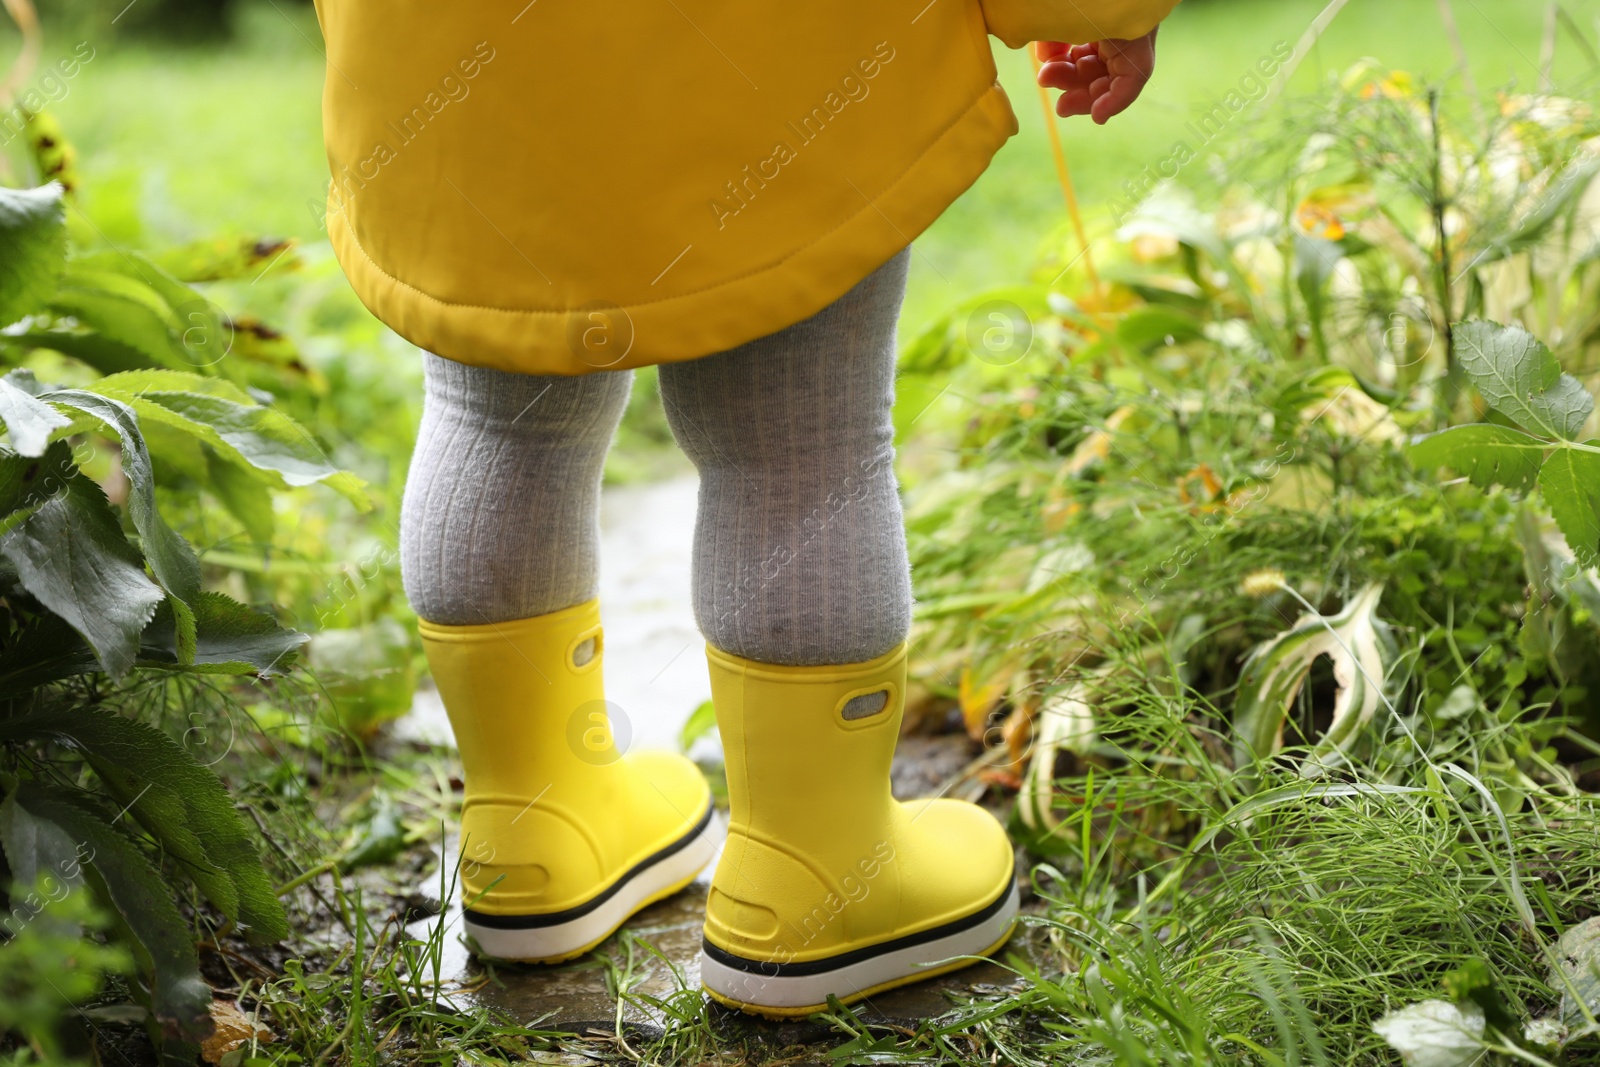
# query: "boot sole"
x,y
554,937
795,990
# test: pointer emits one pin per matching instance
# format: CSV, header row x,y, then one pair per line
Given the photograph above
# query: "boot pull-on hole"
x,y
865,705
583,652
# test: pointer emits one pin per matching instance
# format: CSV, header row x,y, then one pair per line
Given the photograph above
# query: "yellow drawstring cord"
x,y
1063,173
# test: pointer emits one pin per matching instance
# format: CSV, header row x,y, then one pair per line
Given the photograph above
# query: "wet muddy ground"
x,y
656,675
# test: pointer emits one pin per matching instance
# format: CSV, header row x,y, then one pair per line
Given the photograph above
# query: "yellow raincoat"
x,y
562,186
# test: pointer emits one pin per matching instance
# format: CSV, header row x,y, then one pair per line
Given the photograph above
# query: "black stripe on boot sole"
x,y
556,918
769,969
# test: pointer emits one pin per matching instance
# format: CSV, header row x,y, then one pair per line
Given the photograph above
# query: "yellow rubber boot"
x,y
827,885
562,837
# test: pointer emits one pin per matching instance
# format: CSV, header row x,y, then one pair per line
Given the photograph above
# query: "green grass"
x,y
211,139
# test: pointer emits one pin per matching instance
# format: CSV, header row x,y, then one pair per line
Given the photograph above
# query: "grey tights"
x,y
800,553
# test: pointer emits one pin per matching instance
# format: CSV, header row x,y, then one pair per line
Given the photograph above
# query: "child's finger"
x,y
1115,97
1048,50
1074,102
1092,68
1060,74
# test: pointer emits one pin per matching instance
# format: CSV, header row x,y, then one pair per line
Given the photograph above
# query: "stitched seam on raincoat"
x,y
872,204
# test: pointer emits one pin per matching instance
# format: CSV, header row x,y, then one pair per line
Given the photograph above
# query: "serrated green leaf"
x,y
265,436
29,422
46,650
202,331
28,481
1519,378
72,555
163,380
174,563
104,354
131,887
251,434
231,638
125,311
1570,481
1487,454
33,249
164,429
184,635
180,802
23,379
36,848
140,268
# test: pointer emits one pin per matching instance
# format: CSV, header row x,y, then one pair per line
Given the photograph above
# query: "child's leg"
x,y
800,554
563,835
501,512
827,886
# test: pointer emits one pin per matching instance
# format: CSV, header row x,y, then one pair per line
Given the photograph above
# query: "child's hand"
x,y
1100,79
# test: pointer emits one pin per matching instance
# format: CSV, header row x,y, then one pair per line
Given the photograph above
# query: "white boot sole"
x,y
796,989
558,936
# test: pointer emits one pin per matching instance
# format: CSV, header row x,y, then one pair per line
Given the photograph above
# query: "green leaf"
x,y
230,638
35,848
180,802
203,334
265,437
27,482
379,838
127,884
161,380
1485,453
104,354
33,248
366,673
29,422
47,650
1519,378
1148,327
245,497
141,269
242,431
125,311
1171,211
1472,983
1570,481
72,555
174,563
701,722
